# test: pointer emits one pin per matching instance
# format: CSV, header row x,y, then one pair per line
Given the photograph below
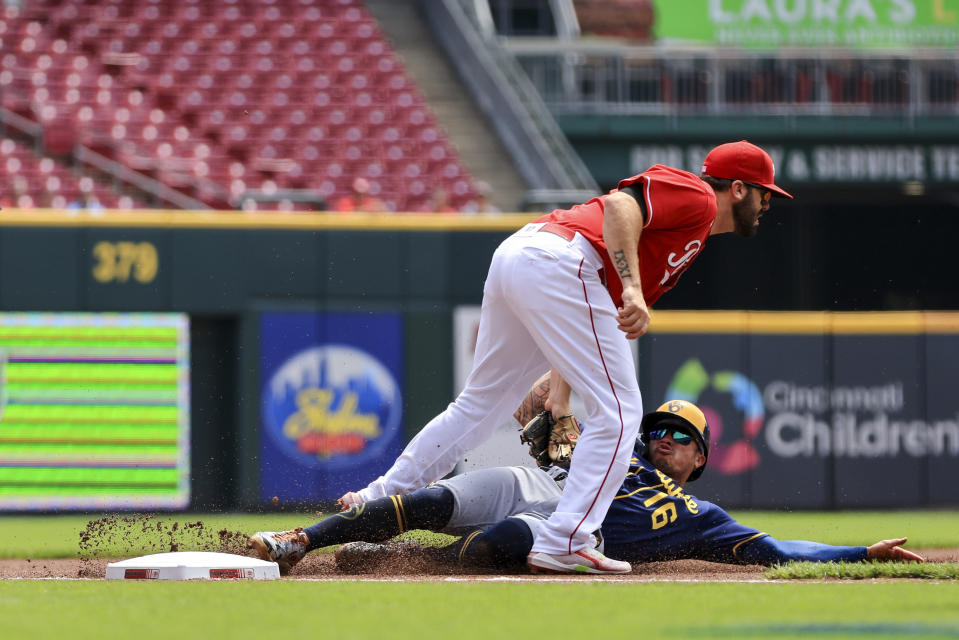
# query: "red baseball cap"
x,y
743,161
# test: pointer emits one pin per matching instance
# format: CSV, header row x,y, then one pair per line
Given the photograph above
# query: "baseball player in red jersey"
x,y
563,292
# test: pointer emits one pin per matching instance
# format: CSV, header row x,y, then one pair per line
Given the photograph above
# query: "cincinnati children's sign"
x,y
786,419
851,422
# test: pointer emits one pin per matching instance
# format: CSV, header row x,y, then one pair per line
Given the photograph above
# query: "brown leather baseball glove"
x,y
551,442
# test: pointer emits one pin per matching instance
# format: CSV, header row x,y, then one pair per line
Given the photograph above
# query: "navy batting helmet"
x,y
683,414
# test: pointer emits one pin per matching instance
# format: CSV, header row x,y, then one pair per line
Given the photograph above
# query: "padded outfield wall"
x,y
320,344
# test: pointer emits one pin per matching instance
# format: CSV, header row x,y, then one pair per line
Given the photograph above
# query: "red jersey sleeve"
x,y
674,199
681,210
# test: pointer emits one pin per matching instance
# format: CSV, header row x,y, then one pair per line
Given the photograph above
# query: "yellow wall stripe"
x,y
313,221
878,322
803,322
941,322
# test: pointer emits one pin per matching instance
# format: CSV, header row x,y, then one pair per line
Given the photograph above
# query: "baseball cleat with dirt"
x,y
285,548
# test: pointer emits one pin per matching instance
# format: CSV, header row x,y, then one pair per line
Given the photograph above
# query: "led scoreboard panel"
x,y
95,411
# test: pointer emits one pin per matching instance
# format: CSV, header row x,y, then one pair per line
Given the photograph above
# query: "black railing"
x,y
602,78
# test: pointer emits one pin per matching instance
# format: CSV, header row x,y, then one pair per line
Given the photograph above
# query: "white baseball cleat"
x,y
582,561
350,499
285,548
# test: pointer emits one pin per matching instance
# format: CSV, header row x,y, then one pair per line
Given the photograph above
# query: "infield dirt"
x,y
135,535
322,566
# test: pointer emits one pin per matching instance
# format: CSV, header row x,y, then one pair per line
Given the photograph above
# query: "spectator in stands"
x,y
86,202
19,198
359,200
481,204
10,199
439,202
50,199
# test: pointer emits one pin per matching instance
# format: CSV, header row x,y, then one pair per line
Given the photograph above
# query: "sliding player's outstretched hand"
x,y
892,551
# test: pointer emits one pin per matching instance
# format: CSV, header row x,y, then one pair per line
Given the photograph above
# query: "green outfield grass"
x,y
57,536
464,611
582,608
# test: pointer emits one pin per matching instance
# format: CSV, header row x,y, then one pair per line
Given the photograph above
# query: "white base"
x,y
192,565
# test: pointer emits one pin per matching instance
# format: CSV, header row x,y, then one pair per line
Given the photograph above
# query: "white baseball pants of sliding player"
x,y
543,305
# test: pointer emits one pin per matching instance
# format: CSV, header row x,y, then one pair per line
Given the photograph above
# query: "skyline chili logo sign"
x,y
331,401
331,405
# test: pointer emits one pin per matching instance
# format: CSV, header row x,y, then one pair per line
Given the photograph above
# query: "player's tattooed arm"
x,y
622,228
622,265
559,391
535,401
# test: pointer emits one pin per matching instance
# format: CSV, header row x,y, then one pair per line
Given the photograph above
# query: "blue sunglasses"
x,y
678,435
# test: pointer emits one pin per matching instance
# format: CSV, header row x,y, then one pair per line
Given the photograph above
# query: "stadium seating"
x,y
33,181
215,98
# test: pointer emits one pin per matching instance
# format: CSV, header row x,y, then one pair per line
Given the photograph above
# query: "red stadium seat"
x,y
195,89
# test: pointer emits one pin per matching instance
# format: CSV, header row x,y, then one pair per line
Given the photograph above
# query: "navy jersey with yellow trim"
x,y
652,518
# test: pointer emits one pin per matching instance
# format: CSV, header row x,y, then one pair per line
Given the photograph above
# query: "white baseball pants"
x,y
543,305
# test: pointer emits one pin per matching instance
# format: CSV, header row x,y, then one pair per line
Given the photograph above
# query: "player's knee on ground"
x,y
506,544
